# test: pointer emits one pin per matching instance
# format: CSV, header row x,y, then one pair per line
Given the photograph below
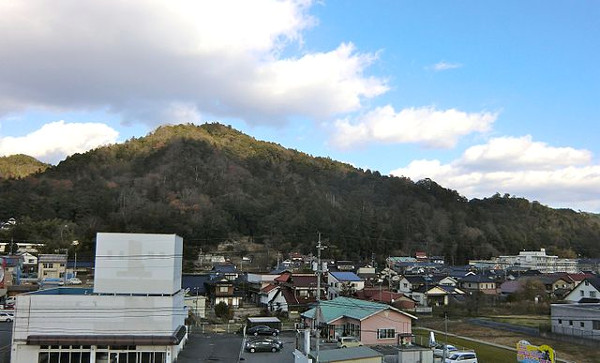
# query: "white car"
x,y
7,317
74,281
438,350
462,357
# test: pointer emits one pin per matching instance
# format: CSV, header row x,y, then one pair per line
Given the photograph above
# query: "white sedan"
x,y
7,317
74,281
438,350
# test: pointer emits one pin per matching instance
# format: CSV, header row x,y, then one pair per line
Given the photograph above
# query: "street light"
x,y
75,244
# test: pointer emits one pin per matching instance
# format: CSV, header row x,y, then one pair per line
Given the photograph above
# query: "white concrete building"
x,y
135,313
533,260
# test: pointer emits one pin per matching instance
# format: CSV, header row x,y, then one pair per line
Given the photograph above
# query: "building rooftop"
x,y
345,276
64,291
348,307
339,355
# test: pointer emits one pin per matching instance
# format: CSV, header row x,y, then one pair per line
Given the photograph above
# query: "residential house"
x,y
226,270
134,313
578,320
554,283
291,292
588,288
343,283
51,266
404,285
510,287
30,264
438,295
195,292
13,269
395,299
479,283
255,282
369,275
371,323
221,289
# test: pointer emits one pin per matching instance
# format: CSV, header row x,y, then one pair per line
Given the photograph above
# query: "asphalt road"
x,y
5,337
228,348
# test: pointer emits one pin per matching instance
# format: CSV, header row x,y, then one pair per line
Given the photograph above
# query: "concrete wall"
x,y
97,315
138,263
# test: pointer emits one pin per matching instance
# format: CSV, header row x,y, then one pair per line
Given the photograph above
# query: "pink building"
x,y
371,323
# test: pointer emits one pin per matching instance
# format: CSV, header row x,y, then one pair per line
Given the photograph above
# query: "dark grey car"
x,y
262,330
263,345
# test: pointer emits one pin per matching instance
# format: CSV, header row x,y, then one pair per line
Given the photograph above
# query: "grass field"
x,y
485,353
565,350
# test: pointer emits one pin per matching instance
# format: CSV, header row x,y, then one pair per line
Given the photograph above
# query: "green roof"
x,y
348,307
337,355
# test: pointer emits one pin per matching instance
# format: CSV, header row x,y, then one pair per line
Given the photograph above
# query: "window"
x,y
592,293
596,324
560,321
581,324
571,322
582,293
223,289
386,333
405,285
587,283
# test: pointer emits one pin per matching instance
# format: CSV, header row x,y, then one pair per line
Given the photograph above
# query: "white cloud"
x,y
556,176
178,59
427,126
54,141
444,66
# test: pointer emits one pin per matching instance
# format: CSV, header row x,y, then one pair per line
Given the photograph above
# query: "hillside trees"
x,y
211,183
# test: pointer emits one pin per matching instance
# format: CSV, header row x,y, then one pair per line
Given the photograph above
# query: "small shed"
x,y
273,322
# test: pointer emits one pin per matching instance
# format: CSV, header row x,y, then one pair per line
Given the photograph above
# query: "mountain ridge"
x,y
211,183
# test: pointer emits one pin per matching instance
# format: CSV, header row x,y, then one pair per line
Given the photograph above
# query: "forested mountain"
x,y
20,166
211,183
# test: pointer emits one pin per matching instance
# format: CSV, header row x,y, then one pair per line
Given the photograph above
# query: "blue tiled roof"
x,y
225,268
195,283
345,276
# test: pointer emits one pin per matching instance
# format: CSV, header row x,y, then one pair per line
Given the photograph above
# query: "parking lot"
x,y
228,348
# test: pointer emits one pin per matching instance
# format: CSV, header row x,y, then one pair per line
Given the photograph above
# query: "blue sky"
x,y
482,97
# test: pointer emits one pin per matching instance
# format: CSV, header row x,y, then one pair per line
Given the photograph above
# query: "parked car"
x,y
268,339
462,357
347,342
74,281
262,345
7,317
262,330
438,350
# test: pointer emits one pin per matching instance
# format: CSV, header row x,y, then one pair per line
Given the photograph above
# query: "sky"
x,y
482,97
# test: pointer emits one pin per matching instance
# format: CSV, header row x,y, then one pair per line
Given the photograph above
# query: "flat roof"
x,y
64,291
263,319
340,355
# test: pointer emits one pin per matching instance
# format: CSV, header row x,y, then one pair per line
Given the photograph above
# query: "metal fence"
x,y
230,328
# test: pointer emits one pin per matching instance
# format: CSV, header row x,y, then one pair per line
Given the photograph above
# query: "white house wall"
x,y
138,263
97,315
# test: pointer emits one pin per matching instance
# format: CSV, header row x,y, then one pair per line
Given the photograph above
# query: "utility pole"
x,y
318,314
